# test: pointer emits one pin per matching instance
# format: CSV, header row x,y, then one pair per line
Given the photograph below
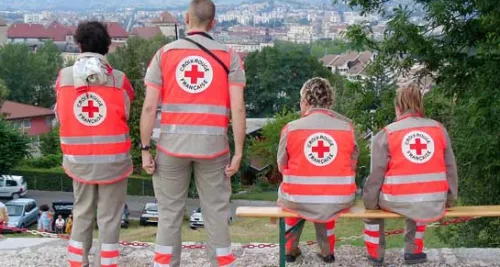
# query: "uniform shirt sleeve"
x,y
451,171
355,153
236,71
379,162
128,88
153,77
282,152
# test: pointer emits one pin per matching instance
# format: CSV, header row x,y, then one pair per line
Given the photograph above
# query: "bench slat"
x,y
360,212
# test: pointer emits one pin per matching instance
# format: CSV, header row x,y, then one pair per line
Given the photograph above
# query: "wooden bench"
x,y
358,212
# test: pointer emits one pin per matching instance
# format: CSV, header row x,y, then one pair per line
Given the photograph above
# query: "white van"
x,y
12,186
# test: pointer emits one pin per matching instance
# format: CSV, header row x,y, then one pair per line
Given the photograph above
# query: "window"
x,y
29,207
27,124
48,121
11,183
16,124
2,182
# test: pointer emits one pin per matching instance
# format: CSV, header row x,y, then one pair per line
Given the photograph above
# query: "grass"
x,y
262,231
256,195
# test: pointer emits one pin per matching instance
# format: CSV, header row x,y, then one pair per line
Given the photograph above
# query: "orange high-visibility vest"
x,y
416,170
319,168
195,93
93,126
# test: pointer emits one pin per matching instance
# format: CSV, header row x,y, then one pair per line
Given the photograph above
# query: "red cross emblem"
x,y
418,146
321,149
90,109
194,74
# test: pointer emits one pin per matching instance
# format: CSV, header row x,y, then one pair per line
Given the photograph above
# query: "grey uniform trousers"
x,y
171,184
109,201
375,238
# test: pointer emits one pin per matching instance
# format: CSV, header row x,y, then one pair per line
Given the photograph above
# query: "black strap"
x,y
201,33
208,52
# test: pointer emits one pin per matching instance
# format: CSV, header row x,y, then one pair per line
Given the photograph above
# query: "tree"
x,y
4,92
50,143
459,45
30,76
133,59
275,79
14,146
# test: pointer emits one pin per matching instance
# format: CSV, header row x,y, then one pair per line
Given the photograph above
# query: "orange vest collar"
x,y
319,111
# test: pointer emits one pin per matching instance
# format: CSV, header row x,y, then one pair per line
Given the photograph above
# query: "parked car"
x,y
12,186
149,214
125,221
63,208
22,212
196,219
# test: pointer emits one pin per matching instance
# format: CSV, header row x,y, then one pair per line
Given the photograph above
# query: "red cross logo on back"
x,y
321,149
90,109
418,146
194,74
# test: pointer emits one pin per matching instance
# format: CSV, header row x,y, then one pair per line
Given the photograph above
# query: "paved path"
x,y
53,254
135,203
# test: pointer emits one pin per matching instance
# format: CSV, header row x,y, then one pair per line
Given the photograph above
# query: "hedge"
x,y
57,180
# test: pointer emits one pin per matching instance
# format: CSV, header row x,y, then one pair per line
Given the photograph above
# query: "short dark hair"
x,y
93,36
44,207
202,12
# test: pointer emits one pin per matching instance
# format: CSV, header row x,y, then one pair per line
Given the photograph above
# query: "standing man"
x,y
198,82
93,103
413,173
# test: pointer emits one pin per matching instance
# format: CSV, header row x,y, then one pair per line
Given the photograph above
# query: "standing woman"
x,y
4,218
413,173
317,156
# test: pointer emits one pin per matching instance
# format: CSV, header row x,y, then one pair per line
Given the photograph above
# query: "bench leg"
x,y
282,242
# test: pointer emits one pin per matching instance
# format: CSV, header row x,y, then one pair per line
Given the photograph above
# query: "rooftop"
x,y
165,17
146,32
2,22
15,110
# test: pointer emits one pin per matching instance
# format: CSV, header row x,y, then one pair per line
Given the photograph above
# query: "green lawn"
x,y
256,195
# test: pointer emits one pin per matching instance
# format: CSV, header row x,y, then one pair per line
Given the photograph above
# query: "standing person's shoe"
x,y
375,262
415,258
292,256
327,259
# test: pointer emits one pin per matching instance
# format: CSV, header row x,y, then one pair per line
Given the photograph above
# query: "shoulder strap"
x,y
208,52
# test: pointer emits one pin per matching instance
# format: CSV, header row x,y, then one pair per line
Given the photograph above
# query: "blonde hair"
x,y
318,93
410,99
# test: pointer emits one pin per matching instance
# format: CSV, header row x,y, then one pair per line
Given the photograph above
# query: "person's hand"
x,y
148,163
234,166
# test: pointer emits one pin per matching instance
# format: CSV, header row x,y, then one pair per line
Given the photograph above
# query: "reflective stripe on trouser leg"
x,y
163,256
289,236
419,237
75,253
374,239
109,255
330,233
224,257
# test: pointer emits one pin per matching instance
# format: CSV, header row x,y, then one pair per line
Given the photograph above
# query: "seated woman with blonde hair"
x,y
317,156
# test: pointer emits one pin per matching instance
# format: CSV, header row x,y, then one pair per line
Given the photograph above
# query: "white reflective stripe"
x,y
318,199
417,178
110,247
163,249
109,261
288,227
419,235
372,227
330,232
371,239
415,197
94,140
97,159
75,244
221,252
195,108
193,129
229,265
75,257
318,180
156,264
